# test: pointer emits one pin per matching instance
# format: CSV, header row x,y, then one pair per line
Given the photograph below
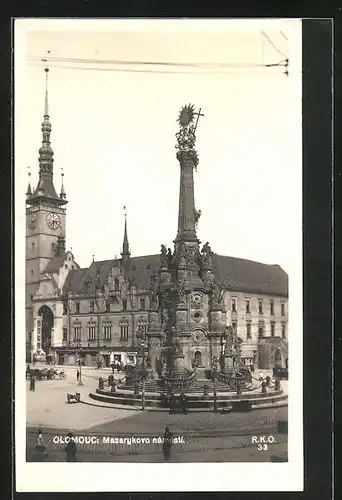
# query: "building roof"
x,y
237,274
251,277
57,261
55,264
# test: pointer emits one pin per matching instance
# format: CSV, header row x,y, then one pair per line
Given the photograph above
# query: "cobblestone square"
x,y
207,436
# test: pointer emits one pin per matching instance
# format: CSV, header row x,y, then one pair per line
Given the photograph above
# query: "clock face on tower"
x,y
53,221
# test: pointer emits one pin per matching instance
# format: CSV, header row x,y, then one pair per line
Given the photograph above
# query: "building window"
x,y
249,329
107,306
283,309
283,330
53,246
31,272
31,296
124,305
91,331
65,308
77,307
261,311
142,303
234,326
32,247
107,331
272,329
77,331
142,329
248,306
261,330
233,305
91,306
65,334
124,330
271,307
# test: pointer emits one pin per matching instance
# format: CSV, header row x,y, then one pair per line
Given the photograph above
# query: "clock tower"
x,y
45,218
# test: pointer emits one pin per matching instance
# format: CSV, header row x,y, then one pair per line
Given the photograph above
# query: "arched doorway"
x,y
277,358
198,358
47,326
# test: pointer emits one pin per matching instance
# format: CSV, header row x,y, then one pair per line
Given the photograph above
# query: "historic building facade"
x,y
180,301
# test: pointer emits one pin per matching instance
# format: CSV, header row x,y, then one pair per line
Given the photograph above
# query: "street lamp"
x,y
214,371
80,364
141,347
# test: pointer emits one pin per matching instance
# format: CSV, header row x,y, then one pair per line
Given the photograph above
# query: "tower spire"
x,y
62,193
45,187
29,189
125,247
46,109
46,152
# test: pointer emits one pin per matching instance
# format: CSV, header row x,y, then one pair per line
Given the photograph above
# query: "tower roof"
x,y
45,188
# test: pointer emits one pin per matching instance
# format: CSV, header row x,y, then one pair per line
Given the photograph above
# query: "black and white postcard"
x,y
158,266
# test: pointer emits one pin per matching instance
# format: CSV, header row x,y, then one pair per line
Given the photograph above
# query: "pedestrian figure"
x,y
261,376
167,443
40,448
263,387
70,449
78,375
172,403
32,382
183,400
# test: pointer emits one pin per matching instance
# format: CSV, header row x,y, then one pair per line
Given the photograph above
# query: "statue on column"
x,y
169,257
206,256
163,257
154,290
186,137
179,290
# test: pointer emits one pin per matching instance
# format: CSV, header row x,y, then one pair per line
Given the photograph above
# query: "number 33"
x,y
262,447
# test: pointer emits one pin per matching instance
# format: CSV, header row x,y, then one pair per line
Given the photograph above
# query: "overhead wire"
x,y
143,63
129,70
270,41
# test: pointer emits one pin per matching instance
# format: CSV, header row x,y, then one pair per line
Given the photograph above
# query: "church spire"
x,y
125,247
45,188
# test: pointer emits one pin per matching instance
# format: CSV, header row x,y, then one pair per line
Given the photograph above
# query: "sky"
x,y
113,132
